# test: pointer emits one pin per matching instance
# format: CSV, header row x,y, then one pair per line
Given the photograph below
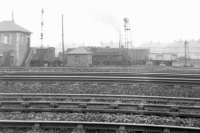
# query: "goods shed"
x,y
14,44
79,57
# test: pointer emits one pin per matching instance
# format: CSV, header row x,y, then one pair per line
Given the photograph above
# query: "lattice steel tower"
x,y
42,25
126,32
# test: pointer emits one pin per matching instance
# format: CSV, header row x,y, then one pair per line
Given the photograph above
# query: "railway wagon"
x,y
163,58
44,57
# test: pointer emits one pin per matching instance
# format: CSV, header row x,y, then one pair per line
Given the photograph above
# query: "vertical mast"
x,y
42,24
13,17
126,34
63,47
185,47
120,39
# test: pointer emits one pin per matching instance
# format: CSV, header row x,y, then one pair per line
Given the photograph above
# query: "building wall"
x,y
17,43
138,54
79,60
107,59
22,47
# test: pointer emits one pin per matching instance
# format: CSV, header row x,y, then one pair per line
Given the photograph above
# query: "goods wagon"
x,y
162,58
44,57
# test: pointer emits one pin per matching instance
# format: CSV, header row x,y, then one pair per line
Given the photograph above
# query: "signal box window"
x,y
5,40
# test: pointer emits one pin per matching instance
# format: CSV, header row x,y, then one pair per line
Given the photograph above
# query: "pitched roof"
x,y
11,26
79,51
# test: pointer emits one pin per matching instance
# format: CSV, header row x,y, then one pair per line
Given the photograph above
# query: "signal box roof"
x,y
9,26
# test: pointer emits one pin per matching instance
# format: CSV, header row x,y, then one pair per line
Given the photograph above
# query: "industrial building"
x,y
103,56
14,44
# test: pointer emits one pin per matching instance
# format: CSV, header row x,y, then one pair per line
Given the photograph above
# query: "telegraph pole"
x,y
63,46
185,46
120,39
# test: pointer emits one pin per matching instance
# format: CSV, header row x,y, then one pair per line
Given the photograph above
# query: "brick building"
x,y
14,44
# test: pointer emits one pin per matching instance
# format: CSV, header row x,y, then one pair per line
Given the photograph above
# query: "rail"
x,y
187,75
82,126
100,98
168,80
103,107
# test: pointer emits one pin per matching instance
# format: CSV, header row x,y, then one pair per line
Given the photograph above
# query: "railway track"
x,y
101,107
103,69
192,79
146,105
100,98
131,74
97,127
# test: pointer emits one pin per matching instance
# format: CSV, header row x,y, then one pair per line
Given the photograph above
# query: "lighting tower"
x,y
126,32
42,25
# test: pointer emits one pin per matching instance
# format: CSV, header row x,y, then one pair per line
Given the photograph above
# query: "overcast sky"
x,y
90,21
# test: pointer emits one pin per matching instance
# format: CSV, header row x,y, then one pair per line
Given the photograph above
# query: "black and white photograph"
x,y
99,66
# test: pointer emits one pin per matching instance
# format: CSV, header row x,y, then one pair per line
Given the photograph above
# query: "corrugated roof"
x,y
79,51
11,26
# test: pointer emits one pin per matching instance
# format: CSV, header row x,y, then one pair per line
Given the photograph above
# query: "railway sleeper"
x,y
121,129
78,129
25,104
92,100
141,106
174,109
36,127
114,106
166,130
54,105
83,105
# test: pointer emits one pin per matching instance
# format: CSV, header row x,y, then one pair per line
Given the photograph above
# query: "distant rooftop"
x,y
79,51
11,26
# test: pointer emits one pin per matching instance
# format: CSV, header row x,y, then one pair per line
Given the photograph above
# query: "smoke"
x,y
108,19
